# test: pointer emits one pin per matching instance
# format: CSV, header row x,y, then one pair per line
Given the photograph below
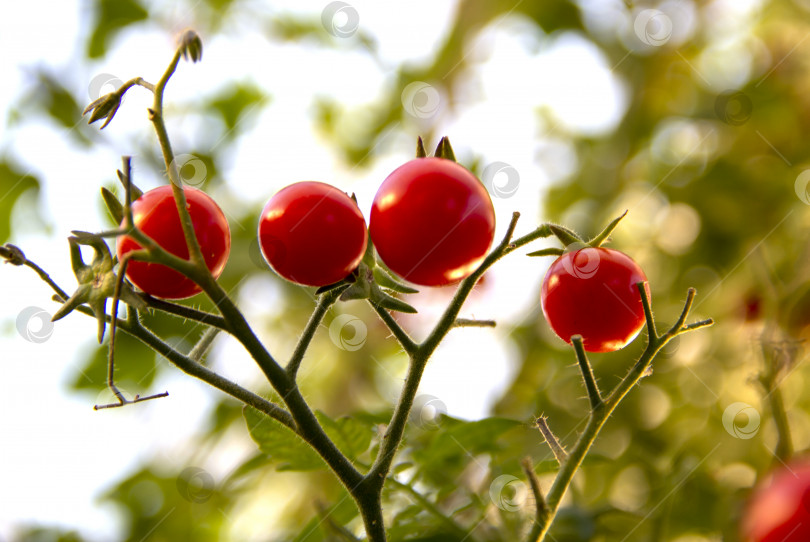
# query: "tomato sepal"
x,y
96,282
566,236
384,279
113,205
330,287
445,150
420,148
552,251
604,235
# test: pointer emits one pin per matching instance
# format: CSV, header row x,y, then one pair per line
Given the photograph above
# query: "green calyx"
x,y
105,107
96,281
571,240
373,282
443,149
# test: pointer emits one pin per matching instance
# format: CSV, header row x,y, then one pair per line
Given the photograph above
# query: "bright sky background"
x,y
56,454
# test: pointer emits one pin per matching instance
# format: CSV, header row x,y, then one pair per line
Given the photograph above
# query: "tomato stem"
x,y
599,416
587,373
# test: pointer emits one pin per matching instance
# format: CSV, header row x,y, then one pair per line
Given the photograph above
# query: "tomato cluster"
x,y
432,223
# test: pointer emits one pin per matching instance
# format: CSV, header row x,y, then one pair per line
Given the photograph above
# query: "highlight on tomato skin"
x,y
312,233
155,214
779,508
593,292
432,222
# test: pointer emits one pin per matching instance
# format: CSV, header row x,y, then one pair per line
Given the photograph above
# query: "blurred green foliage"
x,y
666,466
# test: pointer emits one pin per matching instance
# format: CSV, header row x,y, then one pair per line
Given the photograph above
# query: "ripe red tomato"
x,y
155,213
779,510
312,233
592,292
432,221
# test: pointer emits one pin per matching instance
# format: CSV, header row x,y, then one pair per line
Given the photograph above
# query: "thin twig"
x,y
587,373
326,300
204,344
469,322
540,507
551,439
405,340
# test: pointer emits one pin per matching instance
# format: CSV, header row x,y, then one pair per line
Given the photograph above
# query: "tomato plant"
x,y
432,221
311,233
779,510
592,292
155,213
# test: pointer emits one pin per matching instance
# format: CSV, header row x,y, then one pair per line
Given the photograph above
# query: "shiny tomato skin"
x,y
779,509
155,213
592,292
312,233
432,222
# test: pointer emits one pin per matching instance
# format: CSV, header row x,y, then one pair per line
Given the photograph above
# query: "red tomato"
x,y
592,292
432,221
312,233
155,213
779,510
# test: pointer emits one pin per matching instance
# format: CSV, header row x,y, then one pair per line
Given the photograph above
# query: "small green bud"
x,y
191,46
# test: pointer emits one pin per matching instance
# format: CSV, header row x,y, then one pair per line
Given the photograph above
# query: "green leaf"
x,y
236,103
112,16
52,98
467,439
113,205
351,436
13,183
285,448
341,513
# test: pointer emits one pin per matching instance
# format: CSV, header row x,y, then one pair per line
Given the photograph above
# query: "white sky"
x,y
56,454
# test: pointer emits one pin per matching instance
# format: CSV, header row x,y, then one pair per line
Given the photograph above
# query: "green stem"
x,y
189,366
183,311
598,417
156,116
587,373
327,300
405,340
419,358
540,507
306,423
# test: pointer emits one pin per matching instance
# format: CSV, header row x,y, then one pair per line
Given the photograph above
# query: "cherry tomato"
x,y
592,292
155,213
311,233
779,510
432,222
